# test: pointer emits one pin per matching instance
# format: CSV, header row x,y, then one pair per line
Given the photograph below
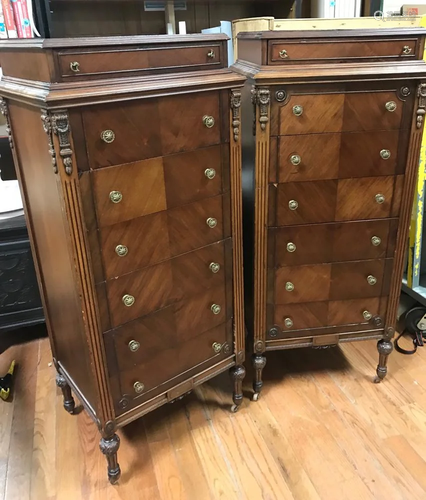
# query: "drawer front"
x,y
338,281
327,201
109,63
351,112
332,156
316,244
149,186
178,120
143,292
287,52
302,284
293,317
163,355
353,280
364,198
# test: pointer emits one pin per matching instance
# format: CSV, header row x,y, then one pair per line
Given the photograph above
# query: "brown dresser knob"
x,y
289,286
210,173
283,54
128,300
293,205
108,136
211,54
407,50
385,154
371,280
115,196
75,66
216,309
376,241
211,222
134,345
380,199
295,160
288,322
217,347
138,387
391,106
291,247
121,250
214,267
367,315
298,110
208,121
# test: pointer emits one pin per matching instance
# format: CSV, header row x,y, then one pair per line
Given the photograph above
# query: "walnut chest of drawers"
x,y
129,159
329,179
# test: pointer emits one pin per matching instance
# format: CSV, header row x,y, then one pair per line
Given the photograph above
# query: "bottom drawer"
x,y
367,312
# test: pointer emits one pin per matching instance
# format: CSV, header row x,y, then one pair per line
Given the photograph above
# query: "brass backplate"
x,y
323,340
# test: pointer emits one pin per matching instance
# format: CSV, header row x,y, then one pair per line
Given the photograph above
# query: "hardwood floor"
x,y
321,430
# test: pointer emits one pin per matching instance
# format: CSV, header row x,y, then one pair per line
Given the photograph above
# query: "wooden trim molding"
x,y
261,98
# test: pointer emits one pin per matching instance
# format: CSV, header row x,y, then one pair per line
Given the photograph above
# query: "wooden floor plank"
x,y
321,430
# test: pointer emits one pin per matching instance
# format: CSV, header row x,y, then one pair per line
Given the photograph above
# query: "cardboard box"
x,y
413,10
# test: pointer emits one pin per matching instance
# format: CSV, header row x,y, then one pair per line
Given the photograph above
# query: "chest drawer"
x,y
326,201
110,63
315,244
290,51
143,292
320,113
121,133
332,156
128,191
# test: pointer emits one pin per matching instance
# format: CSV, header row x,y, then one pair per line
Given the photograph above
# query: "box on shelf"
x,y
413,10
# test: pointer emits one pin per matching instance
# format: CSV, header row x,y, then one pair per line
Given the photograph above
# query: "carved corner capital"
x,y
261,97
235,107
5,112
421,108
61,127
47,127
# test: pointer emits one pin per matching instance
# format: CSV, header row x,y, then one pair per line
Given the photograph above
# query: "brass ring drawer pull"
x,y
367,315
391,106
283,54
385,154
208,121
215,309
289,286
293,205
138,387
217,347
380,199
214,267
298,110
115,196
371,280
134,345
288,322
376,241
121,250
295,160
291,247
128,300
211,54
211,222
407,49
75,66
108,136
210,173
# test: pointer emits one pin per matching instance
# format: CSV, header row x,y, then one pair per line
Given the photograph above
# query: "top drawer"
x,y
294,51
109,63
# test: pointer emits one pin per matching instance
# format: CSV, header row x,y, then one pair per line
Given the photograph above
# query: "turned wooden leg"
x,y
109,447
385,347
237,373
69,403
259,363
